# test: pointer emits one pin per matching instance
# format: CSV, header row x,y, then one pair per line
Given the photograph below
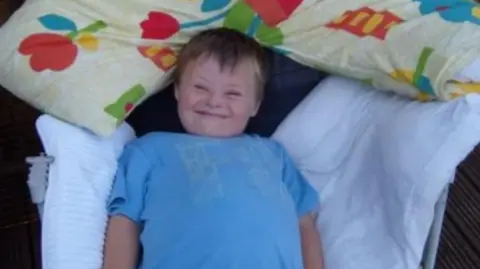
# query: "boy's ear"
x,y
175,91
256,108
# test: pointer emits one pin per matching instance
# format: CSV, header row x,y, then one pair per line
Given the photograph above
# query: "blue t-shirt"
x,y
212,203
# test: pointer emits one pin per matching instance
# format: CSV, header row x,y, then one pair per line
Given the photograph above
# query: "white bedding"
x,y
471,73
379,162
80,179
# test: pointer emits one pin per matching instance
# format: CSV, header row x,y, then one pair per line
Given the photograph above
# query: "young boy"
x,y
214,198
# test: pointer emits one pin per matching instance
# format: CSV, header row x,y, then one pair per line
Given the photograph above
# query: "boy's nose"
x,y
214,101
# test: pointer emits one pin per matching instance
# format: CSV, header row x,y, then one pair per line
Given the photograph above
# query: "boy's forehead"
x,y
210,65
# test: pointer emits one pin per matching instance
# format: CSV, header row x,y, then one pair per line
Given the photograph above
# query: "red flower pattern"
x,y
159,25
55,51
42,46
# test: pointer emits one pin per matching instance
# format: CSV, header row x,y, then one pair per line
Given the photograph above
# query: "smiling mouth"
x,y
208,114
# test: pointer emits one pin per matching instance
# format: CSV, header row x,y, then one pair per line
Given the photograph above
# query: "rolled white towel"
x,y
79,183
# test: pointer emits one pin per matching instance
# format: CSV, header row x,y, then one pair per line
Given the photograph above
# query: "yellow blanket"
x,y
92,62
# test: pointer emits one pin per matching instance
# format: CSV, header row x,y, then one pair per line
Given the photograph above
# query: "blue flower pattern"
x,y
457,11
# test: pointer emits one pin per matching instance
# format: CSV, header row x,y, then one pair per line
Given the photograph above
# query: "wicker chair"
x,y
19,225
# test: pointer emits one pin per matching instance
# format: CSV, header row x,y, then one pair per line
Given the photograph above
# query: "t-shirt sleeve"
x,y
304,195
129,186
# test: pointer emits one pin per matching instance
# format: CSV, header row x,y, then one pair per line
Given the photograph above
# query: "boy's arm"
x,y
306,201
125,206
311,244
121,244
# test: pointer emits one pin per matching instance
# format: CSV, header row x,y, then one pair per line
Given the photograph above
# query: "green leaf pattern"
x,y
243,18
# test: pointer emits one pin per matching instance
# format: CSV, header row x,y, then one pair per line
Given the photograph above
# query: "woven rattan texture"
x,y
18,139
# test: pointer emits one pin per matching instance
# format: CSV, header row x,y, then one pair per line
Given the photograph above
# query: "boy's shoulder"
x,y
274,146
265,140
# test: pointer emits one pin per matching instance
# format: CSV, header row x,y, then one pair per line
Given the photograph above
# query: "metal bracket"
x,y
38,176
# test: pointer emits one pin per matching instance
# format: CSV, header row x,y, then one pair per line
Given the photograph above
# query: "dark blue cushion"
x,y
289,82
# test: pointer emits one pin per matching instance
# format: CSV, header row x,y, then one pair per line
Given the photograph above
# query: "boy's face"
x,y
215,102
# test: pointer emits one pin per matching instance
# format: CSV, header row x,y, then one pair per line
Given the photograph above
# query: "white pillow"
x,y
471,73
79,183
380,162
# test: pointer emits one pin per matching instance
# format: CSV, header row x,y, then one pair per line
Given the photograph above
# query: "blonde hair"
x,y
229,47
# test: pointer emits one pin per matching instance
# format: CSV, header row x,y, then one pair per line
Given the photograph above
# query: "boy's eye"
x,y
200,87
234,94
